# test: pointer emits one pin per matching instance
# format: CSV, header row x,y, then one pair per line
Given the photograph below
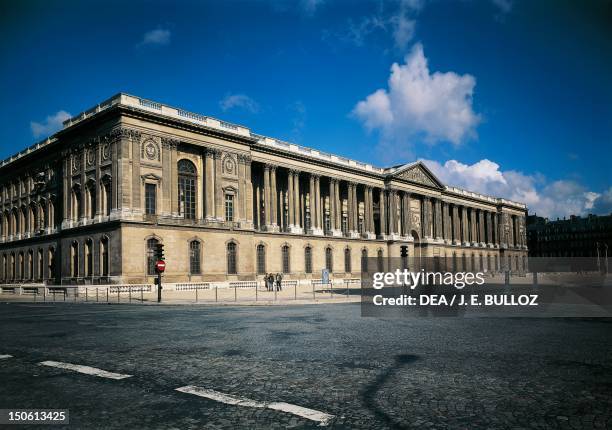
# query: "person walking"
x,y
279,280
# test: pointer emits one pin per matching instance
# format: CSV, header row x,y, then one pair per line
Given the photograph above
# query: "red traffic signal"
x,y
160,266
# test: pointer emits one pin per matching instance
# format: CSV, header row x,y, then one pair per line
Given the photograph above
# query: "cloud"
x,y
602,204
240,101
550,199
400,24
50,125
504,6
435,106
159,37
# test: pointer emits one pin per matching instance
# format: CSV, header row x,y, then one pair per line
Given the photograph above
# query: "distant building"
x,y
573,237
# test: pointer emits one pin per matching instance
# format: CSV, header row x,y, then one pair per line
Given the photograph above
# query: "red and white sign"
x,y
160,265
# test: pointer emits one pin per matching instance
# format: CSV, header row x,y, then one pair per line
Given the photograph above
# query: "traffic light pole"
x,y
159,286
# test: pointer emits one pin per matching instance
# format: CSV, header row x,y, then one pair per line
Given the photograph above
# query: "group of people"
x,y
274,282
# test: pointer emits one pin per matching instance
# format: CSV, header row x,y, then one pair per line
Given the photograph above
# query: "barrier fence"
x,y
203,292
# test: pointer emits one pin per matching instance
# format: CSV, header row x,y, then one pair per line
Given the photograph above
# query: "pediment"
x,y
418,173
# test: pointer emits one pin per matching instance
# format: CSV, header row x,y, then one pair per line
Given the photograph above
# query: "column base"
x,y
316,231
370,235
466,244
394,236
354,235
296,229
336,233
271,228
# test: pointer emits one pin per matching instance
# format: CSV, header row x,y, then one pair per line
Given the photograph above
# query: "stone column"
x,y
210,185
349,208
427,220
489,238
393,213
312,205
473,237
481,228
273,200
438,218
267,199
382,203
318,207
297,228
496,232
290,205
332,204
248,200
338,210
355,212
465,232
371,230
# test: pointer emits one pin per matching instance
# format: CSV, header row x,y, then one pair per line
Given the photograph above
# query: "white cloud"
x,y
436,106
504,6
550,199
602,204
50,125
241,101
158,36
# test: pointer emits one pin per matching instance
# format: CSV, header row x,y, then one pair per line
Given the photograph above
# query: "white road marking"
x,y
84,369
3,356
300,411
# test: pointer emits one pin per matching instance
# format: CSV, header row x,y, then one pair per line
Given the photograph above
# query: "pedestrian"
x,y
279,282
268,283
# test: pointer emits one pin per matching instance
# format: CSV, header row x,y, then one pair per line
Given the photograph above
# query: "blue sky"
x,y
504,97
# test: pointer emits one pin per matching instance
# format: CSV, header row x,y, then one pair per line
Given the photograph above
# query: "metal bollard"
x,y
141,295
118,295
106,294
274,286
86,297
535,279
130,294
347,290
216,294
295,291
313,292
196,288
235,294
331,289
256,291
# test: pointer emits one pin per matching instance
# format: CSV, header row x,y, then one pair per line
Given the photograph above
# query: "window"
x,y
347,260
91,199
380,262
4,268
150,199
76,203
104,262
327,222
308,259
307,222
106,194
364,261
329,259
285,257
194,257
151,258
344,224
229,207
13,266
261,259
187,189
89,258
231,258
74,260
21,266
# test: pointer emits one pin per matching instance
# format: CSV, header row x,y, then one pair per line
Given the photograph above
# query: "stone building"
x,y
88,205
589,236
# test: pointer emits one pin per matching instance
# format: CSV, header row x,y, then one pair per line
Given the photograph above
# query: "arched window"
x,y
286,259
194,257
231,258
30,265
4,267
380,263
41,264
104,262
187,189
91,199
76,203
88,258
308,259
329,259
261,259
347,260
151,259
364,260
74,260
105,195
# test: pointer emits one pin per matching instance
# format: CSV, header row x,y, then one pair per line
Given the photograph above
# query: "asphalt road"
x,y
367,373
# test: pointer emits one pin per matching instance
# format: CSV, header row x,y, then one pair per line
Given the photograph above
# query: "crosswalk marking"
x,y
229,399
84,369
3,356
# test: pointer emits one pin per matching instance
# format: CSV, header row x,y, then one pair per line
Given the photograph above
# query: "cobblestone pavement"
x,y
437,373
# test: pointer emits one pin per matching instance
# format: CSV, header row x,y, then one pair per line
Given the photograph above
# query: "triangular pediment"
x,y
417,173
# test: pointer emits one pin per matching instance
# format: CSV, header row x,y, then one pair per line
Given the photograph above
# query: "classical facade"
x,y
89,204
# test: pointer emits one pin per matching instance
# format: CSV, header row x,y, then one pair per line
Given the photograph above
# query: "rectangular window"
x,y
150,199
229,207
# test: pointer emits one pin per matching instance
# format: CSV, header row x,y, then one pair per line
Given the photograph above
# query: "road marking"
x,y
3,356
84,369
300,411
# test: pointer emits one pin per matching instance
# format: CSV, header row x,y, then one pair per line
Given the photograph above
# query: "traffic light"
x,y
404,251
159,251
